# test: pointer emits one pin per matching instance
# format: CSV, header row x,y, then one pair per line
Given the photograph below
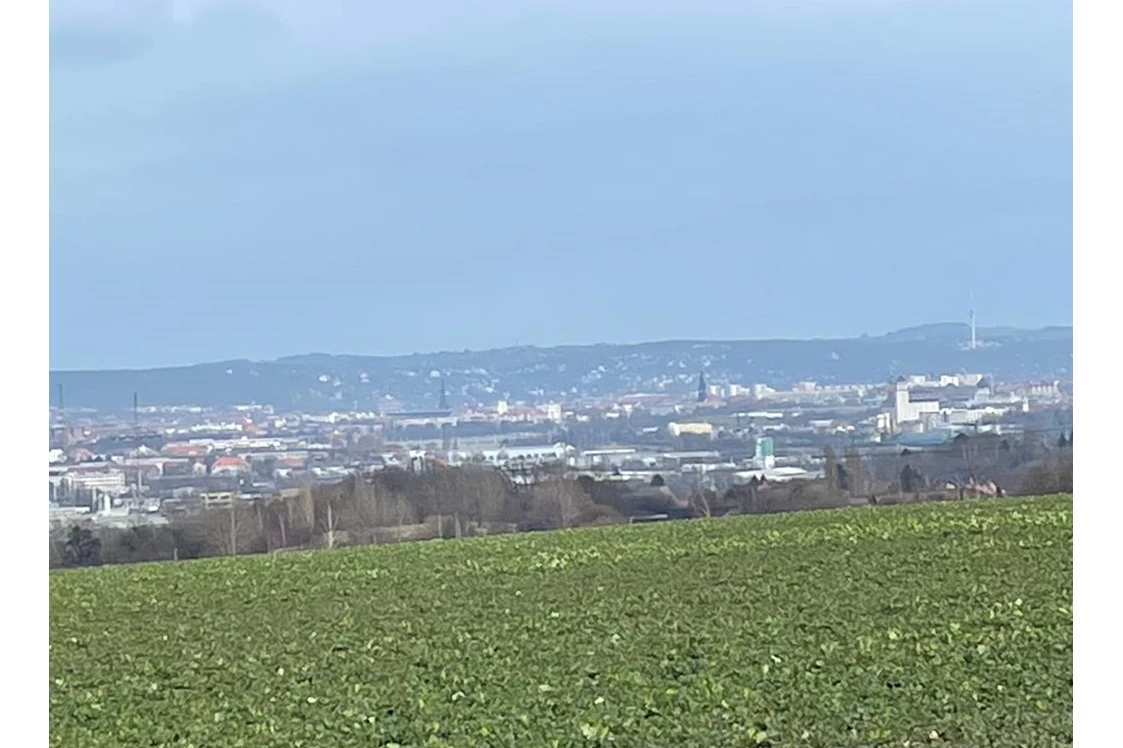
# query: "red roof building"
x,y
229,466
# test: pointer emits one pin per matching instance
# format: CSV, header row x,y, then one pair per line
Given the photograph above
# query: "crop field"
x,y
941,624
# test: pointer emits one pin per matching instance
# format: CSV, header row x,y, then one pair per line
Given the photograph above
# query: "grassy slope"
x,y
853,627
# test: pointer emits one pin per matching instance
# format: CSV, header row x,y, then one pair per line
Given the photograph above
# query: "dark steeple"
x,y
443,405
702,393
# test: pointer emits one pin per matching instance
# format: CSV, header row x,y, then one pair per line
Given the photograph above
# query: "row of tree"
x,y
452,502
386,506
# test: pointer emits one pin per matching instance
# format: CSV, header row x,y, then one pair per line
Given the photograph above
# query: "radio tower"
x,y
971,315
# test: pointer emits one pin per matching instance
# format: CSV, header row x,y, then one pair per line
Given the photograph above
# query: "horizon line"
x,y
517,346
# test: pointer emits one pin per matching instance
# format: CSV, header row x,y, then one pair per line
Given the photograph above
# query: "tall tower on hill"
x,y
443,405
702,392
971,318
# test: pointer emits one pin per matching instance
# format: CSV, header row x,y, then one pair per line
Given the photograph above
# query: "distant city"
x,y
678,413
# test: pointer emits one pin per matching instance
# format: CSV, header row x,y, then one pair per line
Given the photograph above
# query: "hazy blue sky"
x,y
254,179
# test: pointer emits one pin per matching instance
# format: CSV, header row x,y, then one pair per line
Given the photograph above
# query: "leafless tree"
x,y
855,472
556,502
702,503
831,469
54,557
280,510
232,529
303,512
328,520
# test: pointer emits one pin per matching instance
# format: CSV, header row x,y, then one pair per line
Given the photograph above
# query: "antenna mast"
x,y
971,314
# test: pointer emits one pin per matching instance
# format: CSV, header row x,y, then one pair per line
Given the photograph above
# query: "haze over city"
x,y
257,179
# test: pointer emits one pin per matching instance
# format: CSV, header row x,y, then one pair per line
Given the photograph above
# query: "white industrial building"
x,y
695,429
908,411
533,454
109,481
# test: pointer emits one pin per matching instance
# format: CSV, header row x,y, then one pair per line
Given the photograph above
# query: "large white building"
x,y
695,429
908,411
532,454
108,481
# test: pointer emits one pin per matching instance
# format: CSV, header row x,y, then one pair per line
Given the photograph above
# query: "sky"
x,y
263,178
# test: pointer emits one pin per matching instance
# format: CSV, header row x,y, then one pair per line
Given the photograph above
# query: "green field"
x,y
941,624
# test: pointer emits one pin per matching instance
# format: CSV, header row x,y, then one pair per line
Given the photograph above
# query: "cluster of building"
x,y
158,461
951,402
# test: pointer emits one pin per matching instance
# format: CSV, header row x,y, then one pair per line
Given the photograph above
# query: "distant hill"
x,y
957,332
322,381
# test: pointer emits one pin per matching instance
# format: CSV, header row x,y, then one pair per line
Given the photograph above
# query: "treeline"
x,y
1030,464
387,506
392,505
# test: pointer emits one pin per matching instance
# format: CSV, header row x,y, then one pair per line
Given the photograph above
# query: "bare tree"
x,y
303,512
855,473
831,469
281,513
327,518
230,530
54,558
486,492
701,503
556,502
355,510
